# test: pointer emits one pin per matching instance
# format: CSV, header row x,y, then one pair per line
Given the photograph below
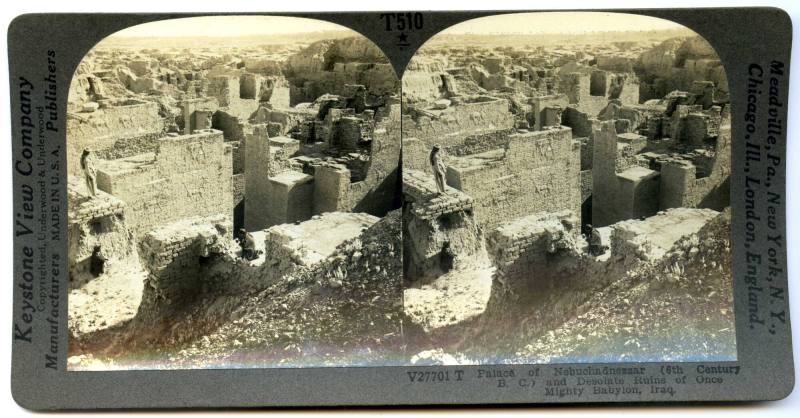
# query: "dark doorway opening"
x,y
97,262
586,215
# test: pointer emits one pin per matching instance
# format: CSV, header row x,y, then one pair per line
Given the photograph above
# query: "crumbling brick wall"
x,y
460,121
420,189
130,146
538,105
365,186
287,119
95,223
416,155
677,63
271,185
586,185
275,90
590,92
331,188
620,188
616,63
237,156
232,126
520,248
291,198
238,200
539,172
328,66
580,122
248,86
440,231
292,247
377,193
226,89
378,78
190,175
257,190
194,113
422,86
667,178
474,144
682,187
108,127
175,256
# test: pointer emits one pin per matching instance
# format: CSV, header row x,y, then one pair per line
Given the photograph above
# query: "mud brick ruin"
x,y
440,224
576,160
181,165
193,147
621,134
270,201
95,223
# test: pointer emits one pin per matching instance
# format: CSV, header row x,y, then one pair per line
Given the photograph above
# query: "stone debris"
x,y
653,237
572,166
538,233
585,199
294,140
420,189
312,241
441,104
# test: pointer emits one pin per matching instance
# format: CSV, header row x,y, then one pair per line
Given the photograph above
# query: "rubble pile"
x,y
214,174
318,314
584,164
632,318
279,202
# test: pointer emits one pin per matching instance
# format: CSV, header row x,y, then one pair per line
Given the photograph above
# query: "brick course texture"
x,y
419,188
519,246
452,126
108,130
190,175
171,255
538,171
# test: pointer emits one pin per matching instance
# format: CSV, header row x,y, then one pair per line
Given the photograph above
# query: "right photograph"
x,y
566,193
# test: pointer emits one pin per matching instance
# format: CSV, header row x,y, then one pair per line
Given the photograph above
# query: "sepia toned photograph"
x,y
262,192
418,208
566,193
234,198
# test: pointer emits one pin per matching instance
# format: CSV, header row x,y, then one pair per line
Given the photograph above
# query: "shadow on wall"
x,y
385,197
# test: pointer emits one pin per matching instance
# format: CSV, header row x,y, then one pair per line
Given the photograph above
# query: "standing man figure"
x,y
439,170
89,171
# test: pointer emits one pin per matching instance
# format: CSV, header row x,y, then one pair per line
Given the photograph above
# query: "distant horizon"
x,y
537,23
643,31
357,34
228,27
221,36
560,23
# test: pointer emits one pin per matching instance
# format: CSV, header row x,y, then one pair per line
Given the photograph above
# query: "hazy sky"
x,y
227,26
560,22
523,23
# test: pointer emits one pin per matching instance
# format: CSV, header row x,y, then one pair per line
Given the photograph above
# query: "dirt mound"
x,y
324,55
678,309
343,310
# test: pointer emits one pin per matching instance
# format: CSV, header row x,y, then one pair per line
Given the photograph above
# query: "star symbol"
x,y
403,38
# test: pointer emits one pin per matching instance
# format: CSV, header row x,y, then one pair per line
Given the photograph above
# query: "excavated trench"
x,y
269,311
646,300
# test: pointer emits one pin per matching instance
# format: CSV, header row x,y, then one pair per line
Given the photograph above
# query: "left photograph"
x,y
234,198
